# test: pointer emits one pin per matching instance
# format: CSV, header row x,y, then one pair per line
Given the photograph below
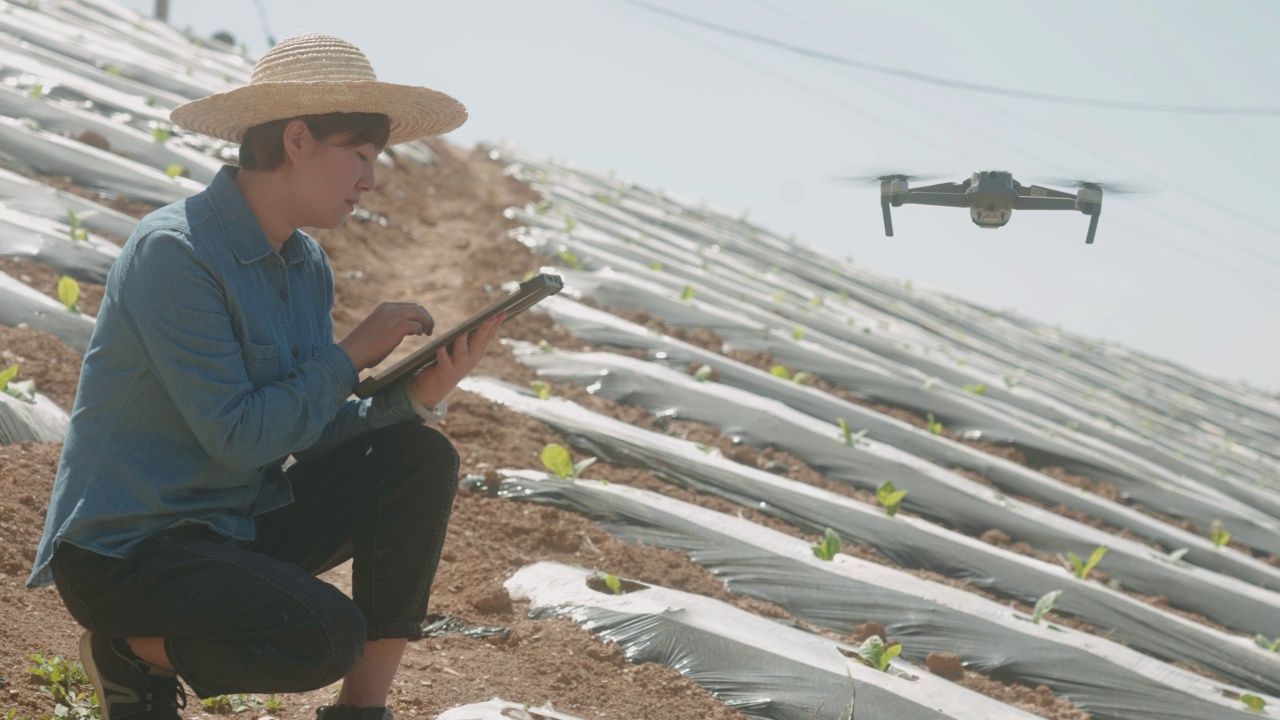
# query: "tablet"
x,y
530,292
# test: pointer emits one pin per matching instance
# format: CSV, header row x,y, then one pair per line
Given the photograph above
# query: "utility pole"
x,y
162,10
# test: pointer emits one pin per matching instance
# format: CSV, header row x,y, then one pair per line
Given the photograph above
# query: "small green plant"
x,y
829,546
977,388
1253,702
25,390
69,293
688,293
76,232
1219,534
797,334
236,704
1265,644
545,346
780,371
36,92
557,459
656,266
570,259
802,377
1177,555
70,688
174,171
1044,605
613,583
850,437
151,101
1082,568
703,373
935,427
874,653
542,388
569,225
159,134
889,497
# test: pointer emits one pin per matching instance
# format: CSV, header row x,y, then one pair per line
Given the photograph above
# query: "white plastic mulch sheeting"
x,y
39,420
1104,678
1219,434
906,541
602,328
497,709
758,666
932,490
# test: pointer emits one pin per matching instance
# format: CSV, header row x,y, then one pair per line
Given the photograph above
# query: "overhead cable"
x,y
953,83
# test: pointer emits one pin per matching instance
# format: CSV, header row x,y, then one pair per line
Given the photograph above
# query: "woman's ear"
x,y
297,140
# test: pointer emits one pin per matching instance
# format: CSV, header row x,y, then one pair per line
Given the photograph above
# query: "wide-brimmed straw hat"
x,y
316,74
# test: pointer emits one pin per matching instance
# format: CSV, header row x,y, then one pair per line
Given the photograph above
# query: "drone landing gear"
x,y
1093,224
888,219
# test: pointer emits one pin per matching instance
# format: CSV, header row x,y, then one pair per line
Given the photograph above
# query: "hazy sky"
x,y
1189,271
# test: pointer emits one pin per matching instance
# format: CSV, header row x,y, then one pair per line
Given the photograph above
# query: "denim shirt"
x,y
212,361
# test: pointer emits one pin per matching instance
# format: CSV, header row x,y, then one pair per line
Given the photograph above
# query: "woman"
x,y
175,533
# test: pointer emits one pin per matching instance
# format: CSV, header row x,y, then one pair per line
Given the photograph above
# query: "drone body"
x,y
991,196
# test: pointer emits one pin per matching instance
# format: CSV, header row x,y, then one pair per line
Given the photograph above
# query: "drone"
x,y
991,196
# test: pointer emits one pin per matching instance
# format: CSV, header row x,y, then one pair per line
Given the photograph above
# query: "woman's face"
x,y
331,178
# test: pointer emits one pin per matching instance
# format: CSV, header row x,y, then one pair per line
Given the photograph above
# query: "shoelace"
x,y
166,687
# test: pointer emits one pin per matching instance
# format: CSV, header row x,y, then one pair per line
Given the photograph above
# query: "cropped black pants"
x,y
251,617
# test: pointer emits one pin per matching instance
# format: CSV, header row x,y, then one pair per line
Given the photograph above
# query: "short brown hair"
x,y
263,145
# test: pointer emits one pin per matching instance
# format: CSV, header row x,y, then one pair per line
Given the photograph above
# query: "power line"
x,y
952,83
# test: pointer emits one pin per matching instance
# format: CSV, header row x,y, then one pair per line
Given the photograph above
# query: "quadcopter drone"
x,y
991,196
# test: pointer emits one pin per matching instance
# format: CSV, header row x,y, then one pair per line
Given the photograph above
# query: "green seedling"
x,y
545,346
1265,644
174,171
69,293
36,92
829,546
802,377
815,301
1044,605
1219,534
874,653
1177,555
76,232
797,334
613,583
703,373
1081,568
236,704
977,389
543,389
935,427
656,267
25,390
570,259
557,459
570,224
688,293
851,438
780,296
1253,702
66,682
889,497
780,371
160,135
151,101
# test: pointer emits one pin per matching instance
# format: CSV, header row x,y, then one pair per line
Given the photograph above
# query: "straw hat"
x,y
316,74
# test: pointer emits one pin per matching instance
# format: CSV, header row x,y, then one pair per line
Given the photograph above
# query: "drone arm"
x,y
1029,202
924,197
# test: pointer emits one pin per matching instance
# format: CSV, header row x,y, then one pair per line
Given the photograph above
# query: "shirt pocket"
x,y
262,363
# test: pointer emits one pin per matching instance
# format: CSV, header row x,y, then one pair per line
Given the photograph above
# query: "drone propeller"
x,y
1108,187
858,179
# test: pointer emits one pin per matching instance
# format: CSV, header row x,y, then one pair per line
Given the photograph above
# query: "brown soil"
x,y
443,242
45,279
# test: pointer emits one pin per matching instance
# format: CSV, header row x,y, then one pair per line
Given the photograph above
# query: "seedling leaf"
x,y
1044,605
829,546
935,427
874,653
1177,555
1265,644
613,583
542,388
801,377
688,293
780,371
1082,569
1253,702
8,374
1219,534
797,334
174,171
583,464
703,373
557,459
889,497
69,293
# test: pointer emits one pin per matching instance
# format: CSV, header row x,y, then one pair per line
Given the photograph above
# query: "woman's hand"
x,y
386,327
434,383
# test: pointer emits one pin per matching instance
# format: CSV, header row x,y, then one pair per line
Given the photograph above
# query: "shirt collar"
x,y
244,235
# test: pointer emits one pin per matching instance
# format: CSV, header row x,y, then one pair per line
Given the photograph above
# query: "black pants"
x,y
251,617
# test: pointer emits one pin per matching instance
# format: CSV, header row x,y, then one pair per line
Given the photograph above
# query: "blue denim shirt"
x,y
212,361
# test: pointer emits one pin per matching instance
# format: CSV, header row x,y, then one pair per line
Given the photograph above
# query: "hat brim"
x,y
415,112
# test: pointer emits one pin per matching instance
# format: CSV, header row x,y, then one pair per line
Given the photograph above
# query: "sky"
x,y
1188,270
